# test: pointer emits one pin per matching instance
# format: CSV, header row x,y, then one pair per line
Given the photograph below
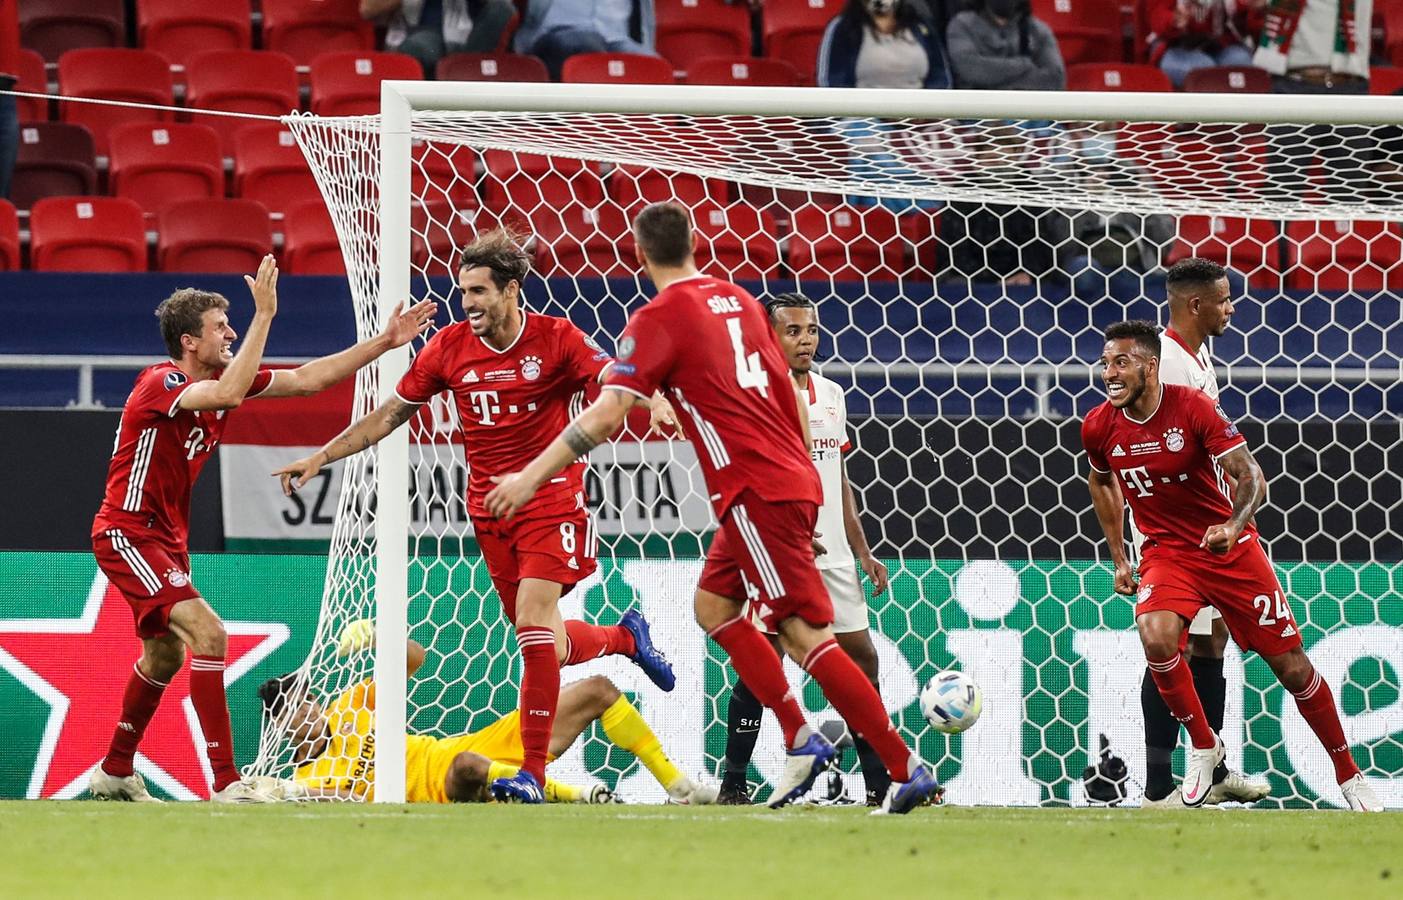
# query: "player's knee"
x,y
162,660
210,639
466,781
1293,670
1159,642
600,692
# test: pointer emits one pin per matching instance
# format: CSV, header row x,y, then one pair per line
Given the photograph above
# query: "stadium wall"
x,y
1059,667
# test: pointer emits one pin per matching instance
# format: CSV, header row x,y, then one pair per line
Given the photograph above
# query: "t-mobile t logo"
x,y
1138,478
486,406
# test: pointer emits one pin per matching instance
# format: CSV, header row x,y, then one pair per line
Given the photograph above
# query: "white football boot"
x,y
131,789
689,792
245,790
1238,788
1198,772
1172,800
1360,796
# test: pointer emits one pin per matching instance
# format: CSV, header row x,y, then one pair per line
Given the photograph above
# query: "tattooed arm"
x,y
371,428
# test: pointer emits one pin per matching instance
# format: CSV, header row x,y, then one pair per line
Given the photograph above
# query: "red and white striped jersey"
x,y
159,452
710,345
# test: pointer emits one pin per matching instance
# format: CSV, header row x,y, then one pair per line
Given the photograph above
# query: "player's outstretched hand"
x,y
296,475
403,326
264,286
1220,538
511,493
662,418
355,637
876,573
1125,579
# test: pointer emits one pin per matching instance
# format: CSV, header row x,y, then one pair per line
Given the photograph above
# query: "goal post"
x,y
965,250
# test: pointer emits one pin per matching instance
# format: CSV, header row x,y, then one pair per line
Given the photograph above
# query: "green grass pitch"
x,y
74,848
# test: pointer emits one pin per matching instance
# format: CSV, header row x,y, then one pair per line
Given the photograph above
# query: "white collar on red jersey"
x,y
516,340
1152,412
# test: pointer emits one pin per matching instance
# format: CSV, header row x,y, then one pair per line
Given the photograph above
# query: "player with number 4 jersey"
x,y
1154,446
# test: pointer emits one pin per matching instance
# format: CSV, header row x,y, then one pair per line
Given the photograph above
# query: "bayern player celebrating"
x,y
513,377
708,343
1161,443
843,545
171,423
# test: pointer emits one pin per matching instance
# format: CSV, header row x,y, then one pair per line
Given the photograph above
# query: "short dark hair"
x,y
1146,334
275,691
184,313
1194,271
792,300
502,252
664,233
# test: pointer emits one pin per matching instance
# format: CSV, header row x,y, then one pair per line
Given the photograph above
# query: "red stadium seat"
x,y
692,30
1393,30
137,76
54,160
53,27
1228,80
1363,256
348,84
588,242
616,68
260,82
526,183
179,29
444,175
1384,81
1117,77
160,165
269,167
1251,247
491,67
33,79
1087,31
305,29
9,237
310,246
214,235
743,71
737,241
632,187
793,30
434,241
845,244
87,234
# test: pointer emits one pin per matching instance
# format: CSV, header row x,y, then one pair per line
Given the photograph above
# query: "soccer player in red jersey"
x,y
710,345
1154,445
170,425
514,377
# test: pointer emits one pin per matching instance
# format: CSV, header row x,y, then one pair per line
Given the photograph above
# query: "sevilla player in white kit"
x,y
1154,446
709,344
170,426
514,376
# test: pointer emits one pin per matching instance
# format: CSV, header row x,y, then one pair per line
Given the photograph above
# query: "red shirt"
x,y
9,37
711,346
159,453
511,403
1167,465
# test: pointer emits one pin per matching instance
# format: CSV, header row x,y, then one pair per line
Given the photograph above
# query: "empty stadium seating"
x,y
178,29
1116,77
693,30
348,84
53,27
444,175
590,242
303,29
743,70
87,234
1087,31
213,235
165,163
793,30
54,160
737,241
491,67
138,76
261,82
1228,80
632,187
269,167
1363,257
310,246
532,184
9,237
1252,247
617,68
845,243
32,79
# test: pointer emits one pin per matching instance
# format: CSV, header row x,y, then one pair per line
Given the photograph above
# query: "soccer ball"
x,y
951,702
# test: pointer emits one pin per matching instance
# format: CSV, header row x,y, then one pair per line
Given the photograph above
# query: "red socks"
x,y
853,696
139,702
584,642
212,709
755,662
1176,686
540,691
1317,706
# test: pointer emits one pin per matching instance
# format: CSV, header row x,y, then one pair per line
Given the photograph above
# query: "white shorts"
x,y
845,592
1202,623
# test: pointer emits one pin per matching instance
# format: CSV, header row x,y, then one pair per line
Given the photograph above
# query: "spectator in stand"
x,y
9,74
1115,254
1001,45
429,30
883,44
1195,34
1316,46
556,30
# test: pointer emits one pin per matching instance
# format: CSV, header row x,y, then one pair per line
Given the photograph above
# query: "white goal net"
x,y
965,252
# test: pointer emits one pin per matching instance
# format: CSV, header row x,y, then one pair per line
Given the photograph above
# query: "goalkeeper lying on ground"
x,y
335,750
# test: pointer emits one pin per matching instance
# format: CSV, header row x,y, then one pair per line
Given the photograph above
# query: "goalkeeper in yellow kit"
x,y
334,747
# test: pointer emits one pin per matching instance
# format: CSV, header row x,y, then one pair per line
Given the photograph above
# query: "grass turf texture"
x,y
195,850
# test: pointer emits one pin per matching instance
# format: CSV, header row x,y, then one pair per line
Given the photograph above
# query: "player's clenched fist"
x,y
1125,579
296,475
1220,538
264,286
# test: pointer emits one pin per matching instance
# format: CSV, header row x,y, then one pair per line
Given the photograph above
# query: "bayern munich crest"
x,y
1144,593
177,578
1174,440
531,368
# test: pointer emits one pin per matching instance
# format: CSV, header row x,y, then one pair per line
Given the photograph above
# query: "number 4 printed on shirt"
x,y
749,372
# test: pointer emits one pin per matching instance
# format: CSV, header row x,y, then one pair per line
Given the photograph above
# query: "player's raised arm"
x,y
320,374
369,429
1249,492
228,391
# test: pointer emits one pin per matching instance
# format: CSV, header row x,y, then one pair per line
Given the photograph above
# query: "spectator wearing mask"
x,y
428,30
1001,45
1194,34
883,44
556,30
9,74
